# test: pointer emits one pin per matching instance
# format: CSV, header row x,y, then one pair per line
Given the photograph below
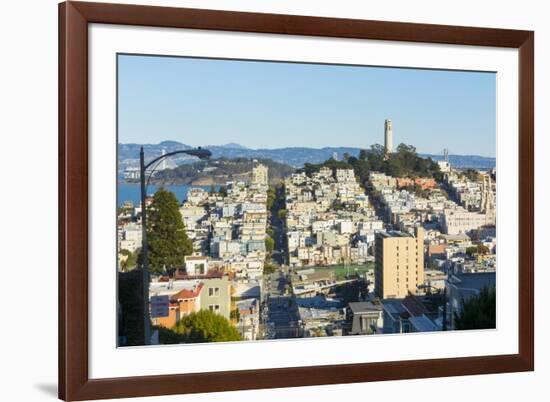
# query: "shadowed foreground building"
x,y
399,263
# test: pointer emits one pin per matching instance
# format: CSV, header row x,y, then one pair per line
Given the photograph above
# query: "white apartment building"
x,y
460,221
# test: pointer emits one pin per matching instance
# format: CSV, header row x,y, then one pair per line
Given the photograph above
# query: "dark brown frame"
x,y
74,18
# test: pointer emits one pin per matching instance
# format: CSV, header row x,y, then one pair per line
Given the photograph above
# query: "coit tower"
x,y
388,136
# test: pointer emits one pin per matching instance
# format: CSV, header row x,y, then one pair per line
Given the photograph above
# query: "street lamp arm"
x,y
198,152
201,154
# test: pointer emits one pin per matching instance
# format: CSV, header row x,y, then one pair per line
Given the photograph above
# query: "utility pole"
x,y
144,253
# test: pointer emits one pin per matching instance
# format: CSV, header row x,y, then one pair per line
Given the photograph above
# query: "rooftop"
x,y
414,306
393,307
394,233
195,257
361,307
473,280
423,324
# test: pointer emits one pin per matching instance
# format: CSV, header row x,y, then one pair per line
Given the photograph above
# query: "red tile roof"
x,y
187,294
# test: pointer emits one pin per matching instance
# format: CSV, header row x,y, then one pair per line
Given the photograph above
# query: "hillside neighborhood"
x,y
381,241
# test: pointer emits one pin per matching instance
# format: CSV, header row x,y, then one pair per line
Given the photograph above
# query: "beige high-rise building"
x,y
259,175
399,263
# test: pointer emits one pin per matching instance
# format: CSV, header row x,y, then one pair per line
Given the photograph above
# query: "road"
x,y
282,312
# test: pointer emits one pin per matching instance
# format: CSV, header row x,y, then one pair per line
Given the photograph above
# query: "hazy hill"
x,y
292,156
219,171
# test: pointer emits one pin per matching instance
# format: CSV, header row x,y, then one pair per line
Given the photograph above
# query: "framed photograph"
x,y
260,200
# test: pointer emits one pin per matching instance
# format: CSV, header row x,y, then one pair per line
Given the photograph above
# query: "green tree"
x,y
131,259
477,249
482,249
376,157
281,213
471,250
269,244
169,336
472,174
362,170
206,326
269,268
479,312
271,196
168,243
223,191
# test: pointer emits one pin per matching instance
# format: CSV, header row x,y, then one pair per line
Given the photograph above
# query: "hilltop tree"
x,y
471,174
374,157
168,243
206,326
479,312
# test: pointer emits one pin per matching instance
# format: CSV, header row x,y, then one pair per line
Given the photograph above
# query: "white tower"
x,y
388,145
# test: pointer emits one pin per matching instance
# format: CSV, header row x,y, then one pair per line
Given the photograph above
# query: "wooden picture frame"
x,y
74,381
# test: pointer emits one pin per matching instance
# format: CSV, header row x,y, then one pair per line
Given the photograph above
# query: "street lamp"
x,y
199,153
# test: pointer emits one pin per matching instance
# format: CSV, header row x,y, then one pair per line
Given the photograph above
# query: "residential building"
x,y
216,295
260,175
399,263
196,264
366,318
460,221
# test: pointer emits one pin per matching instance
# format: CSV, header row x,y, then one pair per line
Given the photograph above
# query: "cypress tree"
x,y
166,237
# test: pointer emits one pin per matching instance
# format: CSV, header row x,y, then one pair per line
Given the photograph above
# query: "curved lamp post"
x,y
199,153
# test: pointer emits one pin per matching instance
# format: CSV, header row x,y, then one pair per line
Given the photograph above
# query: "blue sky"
x,y
273,105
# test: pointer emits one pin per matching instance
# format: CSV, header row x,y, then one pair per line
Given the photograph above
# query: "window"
x,y
214,307
213,292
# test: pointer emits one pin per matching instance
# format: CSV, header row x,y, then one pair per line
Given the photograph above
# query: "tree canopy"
x,y
269,244
131,259
168,243
404,162
477,249
479,312
206,326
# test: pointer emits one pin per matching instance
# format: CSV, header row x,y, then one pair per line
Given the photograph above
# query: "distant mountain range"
x,y
292,156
